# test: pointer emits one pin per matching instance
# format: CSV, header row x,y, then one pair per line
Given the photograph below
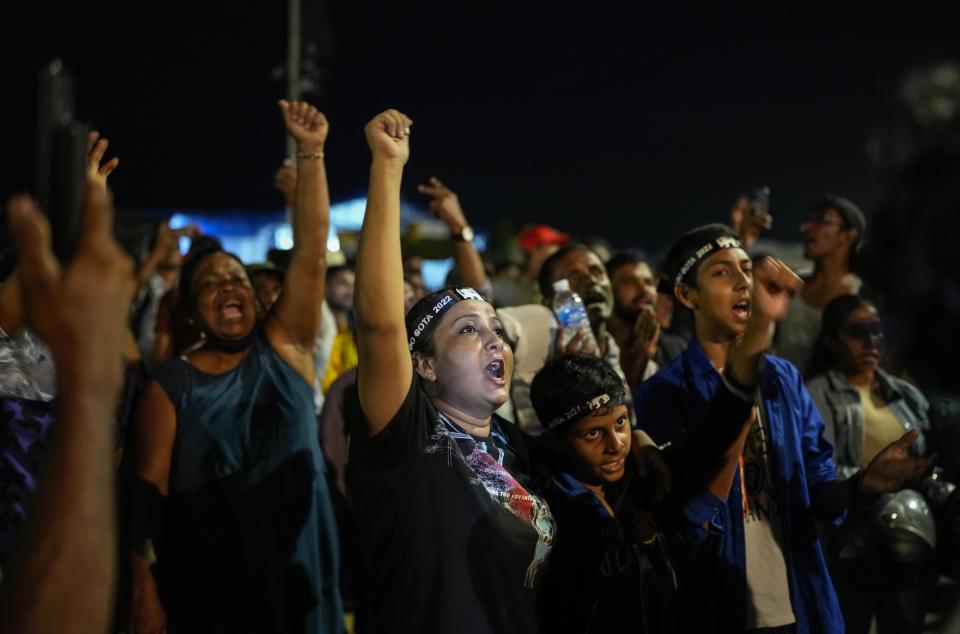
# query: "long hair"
x,y
835,315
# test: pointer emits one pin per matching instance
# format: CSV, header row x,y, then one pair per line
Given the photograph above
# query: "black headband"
x,y
720,242
580,410
430,317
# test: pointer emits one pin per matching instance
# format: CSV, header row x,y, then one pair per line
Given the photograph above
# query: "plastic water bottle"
x,y
571,313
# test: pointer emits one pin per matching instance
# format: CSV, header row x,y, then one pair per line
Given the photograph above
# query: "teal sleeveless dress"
x,y
249,541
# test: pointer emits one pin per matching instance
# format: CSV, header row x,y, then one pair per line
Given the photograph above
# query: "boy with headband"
x,y
760,567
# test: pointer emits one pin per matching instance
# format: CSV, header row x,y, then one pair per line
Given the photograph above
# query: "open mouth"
x,y
741,309
594,300
612,467
494,372
231,309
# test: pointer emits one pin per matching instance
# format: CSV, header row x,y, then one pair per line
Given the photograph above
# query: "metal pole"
x,y
293,61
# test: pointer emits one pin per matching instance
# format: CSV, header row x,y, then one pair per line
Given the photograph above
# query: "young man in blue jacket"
x,y
758,566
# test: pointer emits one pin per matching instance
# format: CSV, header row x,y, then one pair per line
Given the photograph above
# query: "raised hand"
x,y
166,239
641,347
895,467
307,125
580,343
96,174
388,135
646,332
445,204
80,311
749,221
774,284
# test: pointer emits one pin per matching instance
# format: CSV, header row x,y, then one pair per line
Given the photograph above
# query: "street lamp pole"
x,y
293,61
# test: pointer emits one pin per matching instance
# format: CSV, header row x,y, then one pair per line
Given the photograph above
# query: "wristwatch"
x,y
464,235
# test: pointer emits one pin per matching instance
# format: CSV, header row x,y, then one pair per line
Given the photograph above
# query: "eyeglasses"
x,y
823,218
865,331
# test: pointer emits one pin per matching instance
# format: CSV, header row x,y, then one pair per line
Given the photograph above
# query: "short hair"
x,y
189,268
684,257
568,380
852,218
269,271
624,258
333,270
545,280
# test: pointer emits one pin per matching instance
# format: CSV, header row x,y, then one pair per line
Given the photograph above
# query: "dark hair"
x,y
425,342
569,380
333,270
202,243
835,315
852,218
687,245
624,258
269,271
189,268
545,280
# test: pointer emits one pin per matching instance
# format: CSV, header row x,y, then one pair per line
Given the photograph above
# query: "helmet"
x,y
907,527
897,532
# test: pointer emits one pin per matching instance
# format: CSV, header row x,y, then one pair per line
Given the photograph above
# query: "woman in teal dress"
x,y
233,529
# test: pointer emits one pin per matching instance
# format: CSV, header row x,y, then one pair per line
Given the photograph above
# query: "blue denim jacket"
x,y
712,572
839,404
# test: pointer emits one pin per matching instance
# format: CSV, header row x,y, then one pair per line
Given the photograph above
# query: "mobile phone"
x,y
760,197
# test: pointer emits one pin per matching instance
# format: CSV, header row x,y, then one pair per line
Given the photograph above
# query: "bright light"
x,y
348,214
178,221
283,237
435,272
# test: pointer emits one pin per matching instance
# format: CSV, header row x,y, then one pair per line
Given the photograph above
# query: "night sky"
x,y
634,123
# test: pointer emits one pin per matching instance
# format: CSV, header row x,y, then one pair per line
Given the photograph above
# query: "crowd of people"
x,y
199,444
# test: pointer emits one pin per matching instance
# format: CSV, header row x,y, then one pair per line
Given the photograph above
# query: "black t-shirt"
x,y
451,538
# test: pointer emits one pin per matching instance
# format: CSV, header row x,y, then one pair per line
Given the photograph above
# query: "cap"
x,y
851,214
541,235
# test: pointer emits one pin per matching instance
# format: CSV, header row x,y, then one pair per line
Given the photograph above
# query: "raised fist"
x,y
774,284
307,125
388,135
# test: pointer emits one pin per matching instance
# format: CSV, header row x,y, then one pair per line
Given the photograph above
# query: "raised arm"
x,y
292,325
164,243
773,286
65,575
385,369
729,413
446,206
11,309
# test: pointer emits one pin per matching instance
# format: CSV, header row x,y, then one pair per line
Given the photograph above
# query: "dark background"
x,y
631,122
